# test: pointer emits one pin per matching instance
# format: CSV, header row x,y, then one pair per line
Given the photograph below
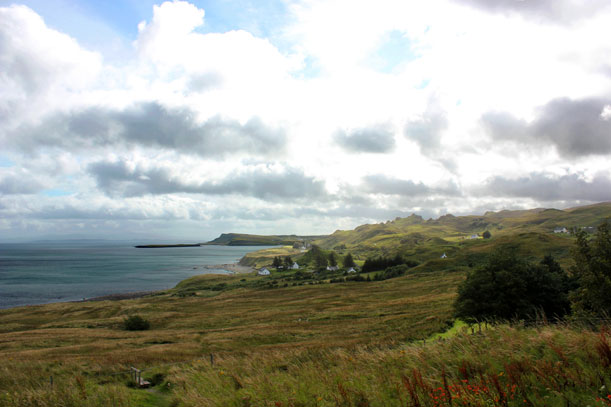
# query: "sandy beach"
x,y
233,268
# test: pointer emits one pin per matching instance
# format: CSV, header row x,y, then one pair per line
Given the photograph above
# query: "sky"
x,y
179,120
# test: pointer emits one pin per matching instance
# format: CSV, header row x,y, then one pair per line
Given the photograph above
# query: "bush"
x,y
391,272
508,287
136,323
592,270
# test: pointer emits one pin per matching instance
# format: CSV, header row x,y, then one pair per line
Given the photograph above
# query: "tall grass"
x,y
507,366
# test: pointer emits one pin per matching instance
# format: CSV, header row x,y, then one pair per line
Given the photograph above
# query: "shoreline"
x,y
233,268
230,268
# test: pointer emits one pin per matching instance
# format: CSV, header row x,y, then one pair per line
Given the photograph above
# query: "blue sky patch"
x,y
395,49
5,162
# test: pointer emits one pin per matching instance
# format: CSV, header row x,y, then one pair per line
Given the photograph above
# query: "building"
x,y
561,230
263,272
443,256
295,266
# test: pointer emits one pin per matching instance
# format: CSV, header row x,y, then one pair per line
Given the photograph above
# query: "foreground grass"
x,y
505,366
552,366
86,351
346,344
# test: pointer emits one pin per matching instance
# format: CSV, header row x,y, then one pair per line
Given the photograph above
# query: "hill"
x,y
531,232
241,239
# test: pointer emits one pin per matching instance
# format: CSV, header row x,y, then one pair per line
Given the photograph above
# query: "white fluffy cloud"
x,y
450,95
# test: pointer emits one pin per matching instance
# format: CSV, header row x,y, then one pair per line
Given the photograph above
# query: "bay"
x,y
45,272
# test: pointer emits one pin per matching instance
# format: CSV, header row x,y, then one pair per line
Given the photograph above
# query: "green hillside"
x,y
531,232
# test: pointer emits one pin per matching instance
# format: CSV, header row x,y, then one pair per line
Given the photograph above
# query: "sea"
x,y
46,272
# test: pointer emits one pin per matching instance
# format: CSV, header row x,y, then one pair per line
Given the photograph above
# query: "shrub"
x,y
136,323
592,270
507,287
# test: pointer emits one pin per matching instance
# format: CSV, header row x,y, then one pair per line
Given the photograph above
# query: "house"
x,y
263,272
295,266
332,268
474,237
444,256
561,230
351,270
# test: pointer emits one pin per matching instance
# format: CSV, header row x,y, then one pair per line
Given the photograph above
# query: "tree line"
x,y
508,287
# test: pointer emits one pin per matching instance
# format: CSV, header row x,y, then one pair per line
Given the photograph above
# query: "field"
x,y
86,340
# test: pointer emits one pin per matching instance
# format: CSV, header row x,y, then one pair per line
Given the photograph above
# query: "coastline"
x,y
121,296
233,268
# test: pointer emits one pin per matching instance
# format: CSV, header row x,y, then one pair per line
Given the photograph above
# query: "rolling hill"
x,y
531,232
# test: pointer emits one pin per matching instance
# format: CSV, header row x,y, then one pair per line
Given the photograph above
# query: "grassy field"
x,y
85,349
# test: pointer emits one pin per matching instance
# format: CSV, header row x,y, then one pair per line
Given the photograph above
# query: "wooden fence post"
x,y
211,359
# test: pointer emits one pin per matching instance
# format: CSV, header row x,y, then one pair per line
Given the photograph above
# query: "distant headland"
x,y
159,246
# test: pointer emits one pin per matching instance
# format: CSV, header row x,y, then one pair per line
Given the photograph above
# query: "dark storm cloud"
x,y
427,130
382,184
374,139
546,187
559,11
116,178
575,127
152,125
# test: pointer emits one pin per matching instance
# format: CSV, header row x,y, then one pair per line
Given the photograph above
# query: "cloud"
x,y
560,11
383,184
23,183
37,61
151,125
575,127
374,139
427,130
547,187
120,178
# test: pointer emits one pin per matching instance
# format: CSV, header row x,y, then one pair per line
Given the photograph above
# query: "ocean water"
x,y
40,273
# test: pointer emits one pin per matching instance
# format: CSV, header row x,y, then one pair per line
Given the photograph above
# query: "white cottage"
x,y
263,272
295,266
332,268
444,256
351,270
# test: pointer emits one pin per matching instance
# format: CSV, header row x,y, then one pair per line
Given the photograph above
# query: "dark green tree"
x,y
348,261
332,259
486,235
592,271
320,260
508,287
277,262
288,262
